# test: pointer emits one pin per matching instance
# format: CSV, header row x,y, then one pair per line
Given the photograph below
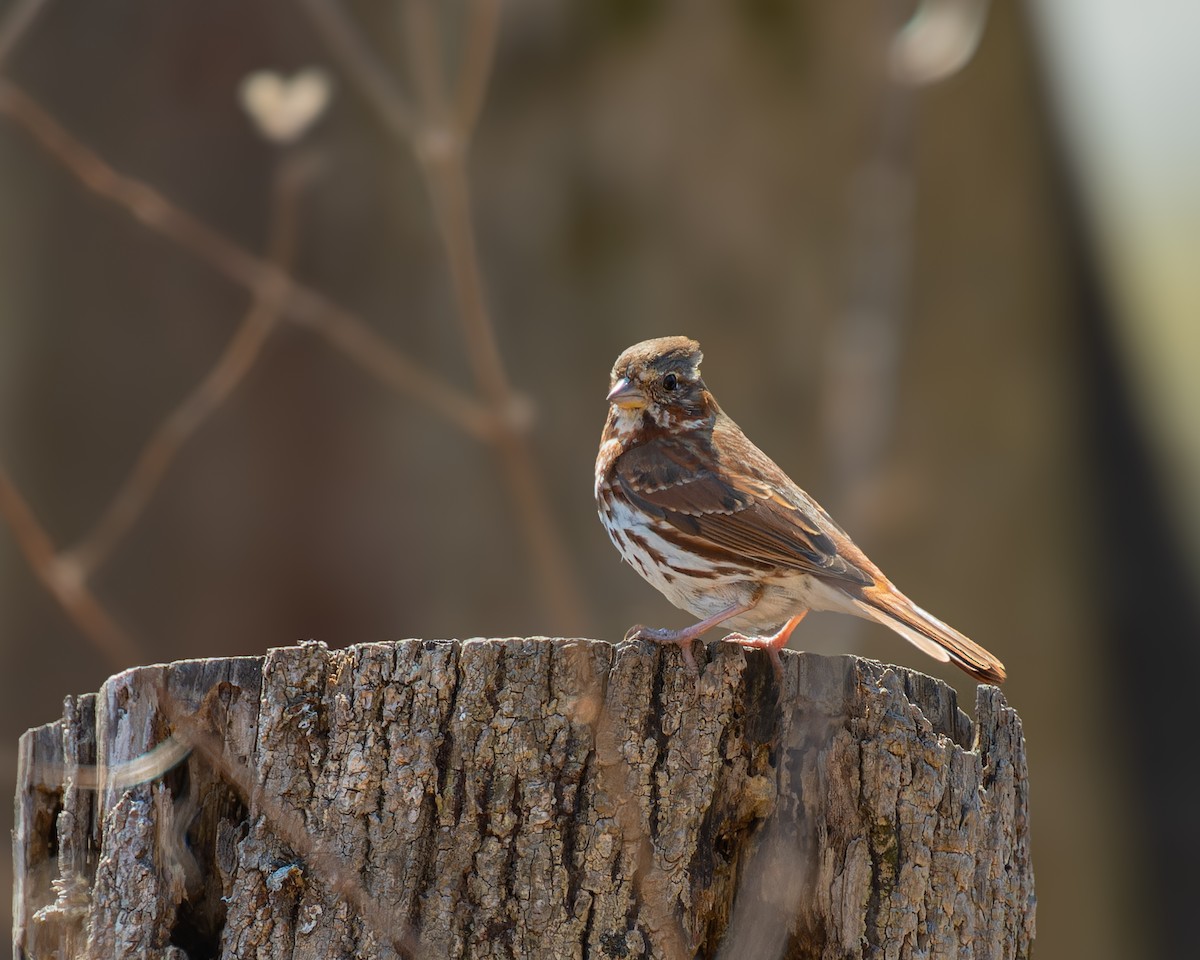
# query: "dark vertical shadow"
x,y
1150,615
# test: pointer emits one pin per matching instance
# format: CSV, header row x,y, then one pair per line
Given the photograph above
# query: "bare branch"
x,y
447,181
439,148
423,43
216,387
302,304
479,49
63,580
440,153
351,49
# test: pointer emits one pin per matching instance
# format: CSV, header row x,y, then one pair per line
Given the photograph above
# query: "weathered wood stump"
x,y
523,798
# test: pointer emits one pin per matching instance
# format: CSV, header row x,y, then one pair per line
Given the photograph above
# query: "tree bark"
x,y
523,798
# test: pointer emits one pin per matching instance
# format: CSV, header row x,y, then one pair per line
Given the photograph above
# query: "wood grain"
x,y
524,798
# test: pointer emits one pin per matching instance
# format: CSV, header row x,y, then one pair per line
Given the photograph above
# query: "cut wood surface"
x,y
526,798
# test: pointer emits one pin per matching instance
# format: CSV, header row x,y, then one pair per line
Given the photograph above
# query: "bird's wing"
x,y
722,492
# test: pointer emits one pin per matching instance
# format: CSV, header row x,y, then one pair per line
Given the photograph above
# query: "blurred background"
x,y
942,259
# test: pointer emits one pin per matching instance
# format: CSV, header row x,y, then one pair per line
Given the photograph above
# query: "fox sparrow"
x,y
722,532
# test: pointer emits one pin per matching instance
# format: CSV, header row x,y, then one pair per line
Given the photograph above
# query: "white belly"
x,y
704,589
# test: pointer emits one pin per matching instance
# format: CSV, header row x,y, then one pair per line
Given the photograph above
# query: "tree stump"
x,y
527,798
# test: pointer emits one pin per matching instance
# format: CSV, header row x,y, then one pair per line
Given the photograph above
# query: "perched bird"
x,y
723,533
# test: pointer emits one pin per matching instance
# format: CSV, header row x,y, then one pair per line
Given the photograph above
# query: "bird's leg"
x,y
684,638
772,644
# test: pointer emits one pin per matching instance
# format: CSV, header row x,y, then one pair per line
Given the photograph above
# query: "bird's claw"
x,y
662,635
760,643
654,634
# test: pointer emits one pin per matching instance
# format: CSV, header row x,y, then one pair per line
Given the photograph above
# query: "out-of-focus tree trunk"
x,y
523,798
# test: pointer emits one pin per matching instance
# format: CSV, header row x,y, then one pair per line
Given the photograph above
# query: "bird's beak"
x,y
626,395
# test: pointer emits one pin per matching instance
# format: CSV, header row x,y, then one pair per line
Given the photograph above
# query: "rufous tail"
x,y
927,633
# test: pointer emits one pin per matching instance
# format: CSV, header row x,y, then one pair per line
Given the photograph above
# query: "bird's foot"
x,y
772,643
754,643
683,639
761,643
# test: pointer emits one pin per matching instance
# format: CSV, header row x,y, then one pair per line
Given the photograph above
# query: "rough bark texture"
x,y
523,798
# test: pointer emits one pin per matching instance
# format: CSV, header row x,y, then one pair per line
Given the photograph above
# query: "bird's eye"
x,y
670,382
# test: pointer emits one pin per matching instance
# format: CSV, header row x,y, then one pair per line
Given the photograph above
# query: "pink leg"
x,y
772,644
684,638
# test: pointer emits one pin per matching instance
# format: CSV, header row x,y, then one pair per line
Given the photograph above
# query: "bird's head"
x,y
660,379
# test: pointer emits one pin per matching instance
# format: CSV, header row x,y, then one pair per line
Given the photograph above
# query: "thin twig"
x,y
372,76
218,384
447,182
17,21
443,163
439,146
150,765
479,47
302,304
423,43
446,179
72,594
432,143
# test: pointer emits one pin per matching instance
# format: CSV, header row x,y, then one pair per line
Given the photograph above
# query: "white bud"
x,y
283,108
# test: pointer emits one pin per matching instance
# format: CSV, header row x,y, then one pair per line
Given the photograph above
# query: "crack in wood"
x,y
529,798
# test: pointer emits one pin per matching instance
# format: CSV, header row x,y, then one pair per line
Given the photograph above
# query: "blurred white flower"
x,y
283,108
939,40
